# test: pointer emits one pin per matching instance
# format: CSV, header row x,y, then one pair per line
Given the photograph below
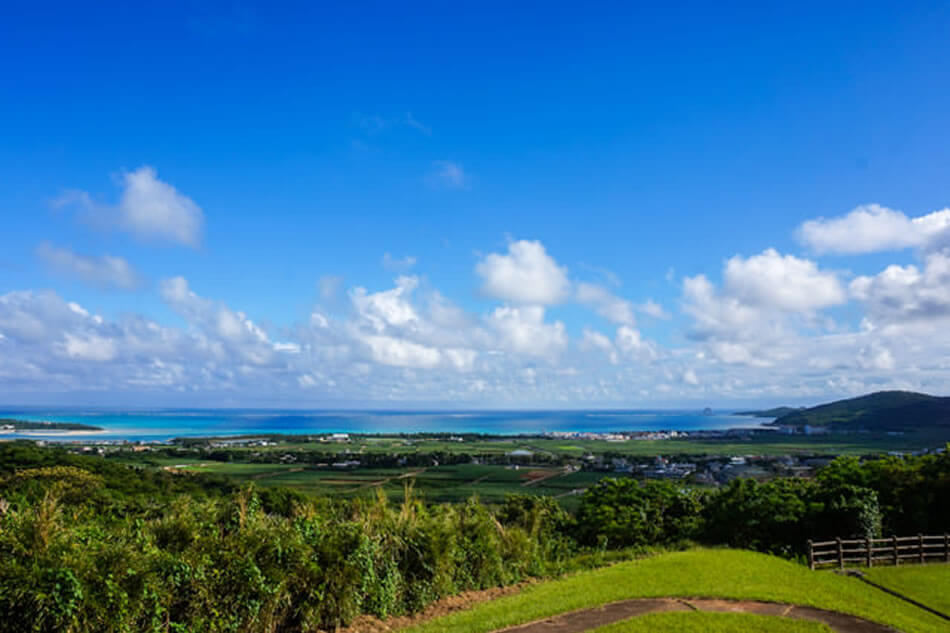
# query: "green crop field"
x,y
927,584
712,623
709,573
454,483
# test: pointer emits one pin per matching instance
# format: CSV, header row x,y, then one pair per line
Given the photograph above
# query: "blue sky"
x,y
542,205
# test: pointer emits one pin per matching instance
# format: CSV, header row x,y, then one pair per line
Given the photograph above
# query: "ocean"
x,y
166,424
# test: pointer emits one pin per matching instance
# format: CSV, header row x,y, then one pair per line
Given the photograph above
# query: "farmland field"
x,y
436,483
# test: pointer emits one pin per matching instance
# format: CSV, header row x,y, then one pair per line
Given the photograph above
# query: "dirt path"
x,y
545,477
381,482
580,621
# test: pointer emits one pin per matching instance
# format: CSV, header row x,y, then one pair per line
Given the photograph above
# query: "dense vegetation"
x,y
89,544
883,410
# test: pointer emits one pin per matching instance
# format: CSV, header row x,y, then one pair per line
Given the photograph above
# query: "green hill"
x,y
880,411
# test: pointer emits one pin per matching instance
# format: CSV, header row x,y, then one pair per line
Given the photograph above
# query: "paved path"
x,y
587,619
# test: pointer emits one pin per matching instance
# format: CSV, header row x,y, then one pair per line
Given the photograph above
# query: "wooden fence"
x,y
895,550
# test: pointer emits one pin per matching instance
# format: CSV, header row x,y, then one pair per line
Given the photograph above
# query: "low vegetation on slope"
x,y
927,584
707,573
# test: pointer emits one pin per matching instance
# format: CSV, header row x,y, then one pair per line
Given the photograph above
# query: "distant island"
x,y
879,411
22,425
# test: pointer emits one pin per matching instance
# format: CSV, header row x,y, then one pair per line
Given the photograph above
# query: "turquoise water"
x,y
165,424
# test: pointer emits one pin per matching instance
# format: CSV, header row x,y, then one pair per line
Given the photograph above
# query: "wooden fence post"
x,y
811,554
920,544
867,544
840,554
897,560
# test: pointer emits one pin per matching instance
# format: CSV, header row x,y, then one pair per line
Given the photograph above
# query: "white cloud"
x,y
690,378
762,333
872,228
105,271
593,340
90,347
631,343
229,333
904,293
653,309
605,303
149,208
387,308
402,353
449,175
527,274
153,209
396,332
786,283
524,331
765,301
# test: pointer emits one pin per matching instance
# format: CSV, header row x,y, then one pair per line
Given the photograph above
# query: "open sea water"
x,y
166,424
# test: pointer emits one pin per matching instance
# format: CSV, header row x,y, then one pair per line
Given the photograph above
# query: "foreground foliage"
x,y
91,545
228,565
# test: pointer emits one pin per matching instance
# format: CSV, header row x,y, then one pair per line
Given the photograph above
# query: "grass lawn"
x,y
698,573
712,623
927,584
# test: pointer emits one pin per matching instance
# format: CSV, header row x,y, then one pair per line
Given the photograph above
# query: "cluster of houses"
x,y
710,471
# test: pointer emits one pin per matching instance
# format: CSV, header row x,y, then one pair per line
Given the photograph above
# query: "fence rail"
x,y
888,551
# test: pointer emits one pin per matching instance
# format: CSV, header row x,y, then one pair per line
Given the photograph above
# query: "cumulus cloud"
x,y
389,308
786,283
397,332
526,275
907,293
764,302
227,332
148,208
523,330
105,271
89,347
872,228
154,209
761,332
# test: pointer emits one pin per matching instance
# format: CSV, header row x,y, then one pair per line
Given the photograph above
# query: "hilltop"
x,y
880,411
